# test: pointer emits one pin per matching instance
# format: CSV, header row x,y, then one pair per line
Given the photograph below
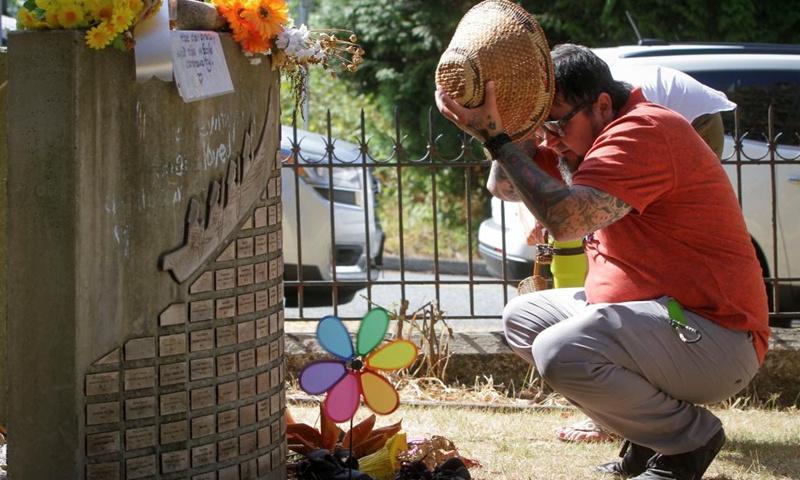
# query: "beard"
x,y
566,170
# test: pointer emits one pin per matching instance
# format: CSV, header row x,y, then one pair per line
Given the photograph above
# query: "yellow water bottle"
x,y
569,264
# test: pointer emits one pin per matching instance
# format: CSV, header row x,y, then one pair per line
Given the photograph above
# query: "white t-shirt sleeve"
x,y
674,89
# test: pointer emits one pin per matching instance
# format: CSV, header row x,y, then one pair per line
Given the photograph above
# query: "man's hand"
x,y
482,122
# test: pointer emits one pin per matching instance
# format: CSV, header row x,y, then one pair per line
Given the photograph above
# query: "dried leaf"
x,y
330,431
359,433
389,430
305,432
372,445
300,445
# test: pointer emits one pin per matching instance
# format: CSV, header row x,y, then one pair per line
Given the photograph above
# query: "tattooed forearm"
x,y
499,185
566,212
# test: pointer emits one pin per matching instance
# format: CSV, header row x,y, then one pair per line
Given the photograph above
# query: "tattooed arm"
x,y
566,212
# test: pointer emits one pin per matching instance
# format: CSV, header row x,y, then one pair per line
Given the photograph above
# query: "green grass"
x,y
517,445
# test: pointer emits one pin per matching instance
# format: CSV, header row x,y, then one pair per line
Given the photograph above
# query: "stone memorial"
x,y
145,293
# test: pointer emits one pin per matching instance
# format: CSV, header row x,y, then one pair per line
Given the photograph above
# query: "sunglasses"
x,y
556,127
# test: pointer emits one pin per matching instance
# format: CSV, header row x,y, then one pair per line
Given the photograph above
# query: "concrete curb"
x,y
481,355
448,267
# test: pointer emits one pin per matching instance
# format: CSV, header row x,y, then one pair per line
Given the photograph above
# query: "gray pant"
x,y
625,367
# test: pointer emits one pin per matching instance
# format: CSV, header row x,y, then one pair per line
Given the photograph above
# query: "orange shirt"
x,y
685,237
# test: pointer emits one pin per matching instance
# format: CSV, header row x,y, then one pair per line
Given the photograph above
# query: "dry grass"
x,y
519,444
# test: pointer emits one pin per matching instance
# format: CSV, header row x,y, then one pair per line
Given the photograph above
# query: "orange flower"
x,y
255,44
266,16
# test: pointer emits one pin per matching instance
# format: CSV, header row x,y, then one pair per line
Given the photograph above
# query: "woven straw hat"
x,y
498,40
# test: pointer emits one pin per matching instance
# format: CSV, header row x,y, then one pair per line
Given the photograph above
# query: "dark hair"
x,y
581,75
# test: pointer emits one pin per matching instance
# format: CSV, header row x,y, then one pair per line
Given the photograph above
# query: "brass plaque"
x,y
201,310
247,415
248,470
173,403
261,217
227,449
264,466
248,443
136,438
226,364
273,269
203,426
226,307
272,215
247,387
262,247
206,476
226,420
262,300
273,242
262,382
225,279
277,457
140,467
102,443
102,383
228,254
244,275
226,335
139,378
264,437
172,345
262,408
100,413
272,188
280,240
245,303
172,373
174,461
140,348
244,247
173,432
226,392
204,283
274,404
102,471
110,358
202,368
273,296
203,455
202,397
142,407
246,331
261,272
247,359
248,224
262,355
175,314
274,377
273,323
229,473
262,327
274,350
201,340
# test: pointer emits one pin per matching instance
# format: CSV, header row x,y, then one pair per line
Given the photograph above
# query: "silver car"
x,y
338,242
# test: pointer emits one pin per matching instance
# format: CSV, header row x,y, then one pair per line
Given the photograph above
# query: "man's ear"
x,y
604,107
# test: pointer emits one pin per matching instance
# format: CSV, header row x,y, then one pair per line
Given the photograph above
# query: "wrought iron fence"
x,y
764,172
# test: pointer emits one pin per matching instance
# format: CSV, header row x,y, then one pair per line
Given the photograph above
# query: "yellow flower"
x,y
25,20
266,16
121,19
100,36
70,15
100,10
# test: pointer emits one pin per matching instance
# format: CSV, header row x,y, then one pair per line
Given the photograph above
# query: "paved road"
x,y
454,301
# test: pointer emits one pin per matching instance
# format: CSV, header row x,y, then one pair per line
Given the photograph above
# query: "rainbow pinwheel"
x,y
355,373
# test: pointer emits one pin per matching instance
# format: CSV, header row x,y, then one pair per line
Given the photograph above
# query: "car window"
x,y
753,91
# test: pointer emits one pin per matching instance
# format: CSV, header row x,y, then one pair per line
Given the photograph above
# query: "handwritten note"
x,y
199,65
